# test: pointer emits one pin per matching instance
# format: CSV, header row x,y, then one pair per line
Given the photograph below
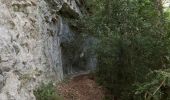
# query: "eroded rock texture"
x,y
37,45
30,51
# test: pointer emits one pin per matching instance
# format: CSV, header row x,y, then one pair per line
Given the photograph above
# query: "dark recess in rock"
x,y
67,12
16,48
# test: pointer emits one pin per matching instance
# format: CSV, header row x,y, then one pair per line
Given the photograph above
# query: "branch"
x,y
159,87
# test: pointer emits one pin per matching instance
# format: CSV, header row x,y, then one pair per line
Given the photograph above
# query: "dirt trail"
x,y
81,87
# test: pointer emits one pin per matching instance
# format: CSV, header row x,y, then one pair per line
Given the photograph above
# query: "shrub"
x,y
47,92
133,40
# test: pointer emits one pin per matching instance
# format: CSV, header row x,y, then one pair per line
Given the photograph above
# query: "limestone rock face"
x,y
30,50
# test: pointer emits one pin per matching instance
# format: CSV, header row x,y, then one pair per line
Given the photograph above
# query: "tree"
x,y
133,42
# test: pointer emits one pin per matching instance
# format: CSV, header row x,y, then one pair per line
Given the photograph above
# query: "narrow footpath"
x,y
81,87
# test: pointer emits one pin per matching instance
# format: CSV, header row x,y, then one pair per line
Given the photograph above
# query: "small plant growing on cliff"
x,y
46,92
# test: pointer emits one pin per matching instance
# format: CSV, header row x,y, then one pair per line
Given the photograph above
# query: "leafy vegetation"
x,y
156,87
47,92
133,50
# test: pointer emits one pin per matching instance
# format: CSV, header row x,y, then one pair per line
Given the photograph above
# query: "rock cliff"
x,y
37,45
31,32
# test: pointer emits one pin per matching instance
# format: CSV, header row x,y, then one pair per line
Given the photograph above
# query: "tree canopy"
x,y
133,49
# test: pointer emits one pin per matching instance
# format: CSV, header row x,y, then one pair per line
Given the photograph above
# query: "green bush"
x,y
47,92
133,41
157,86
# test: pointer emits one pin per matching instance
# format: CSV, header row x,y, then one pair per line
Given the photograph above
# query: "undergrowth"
x,y
47,92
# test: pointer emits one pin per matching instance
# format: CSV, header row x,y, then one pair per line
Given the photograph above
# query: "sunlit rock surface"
x,y
30,51
37,45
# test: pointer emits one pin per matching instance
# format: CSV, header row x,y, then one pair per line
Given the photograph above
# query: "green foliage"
x,y
134,40
47,92
156,87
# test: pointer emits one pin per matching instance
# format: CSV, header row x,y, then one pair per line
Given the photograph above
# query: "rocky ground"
x,y
82,87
